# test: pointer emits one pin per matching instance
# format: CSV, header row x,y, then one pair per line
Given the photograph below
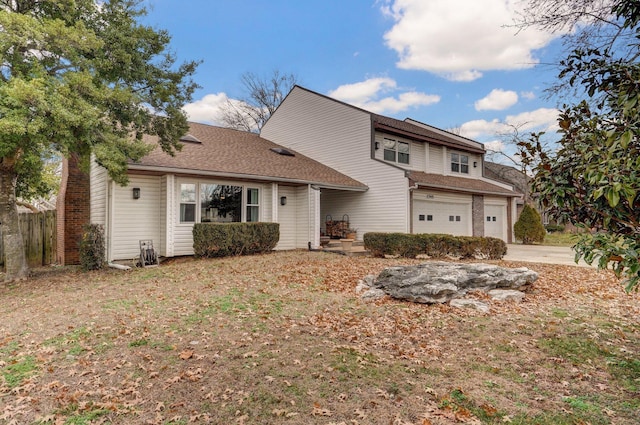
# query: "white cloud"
x,y
497,100
207,109
474,129
495,145
529,95
362,91
459,39
369,94
543,119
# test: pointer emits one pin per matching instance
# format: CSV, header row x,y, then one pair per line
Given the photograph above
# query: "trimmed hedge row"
x,y
434,245
227,239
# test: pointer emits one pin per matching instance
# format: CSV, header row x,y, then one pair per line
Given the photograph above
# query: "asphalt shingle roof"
x,y
459,184
420,132
216,150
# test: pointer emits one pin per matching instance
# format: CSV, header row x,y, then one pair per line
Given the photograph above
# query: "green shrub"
x,y
434,245
92,247
554,228
529,228
226,239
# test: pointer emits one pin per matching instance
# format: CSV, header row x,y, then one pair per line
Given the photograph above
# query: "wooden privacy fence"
x,y
39,236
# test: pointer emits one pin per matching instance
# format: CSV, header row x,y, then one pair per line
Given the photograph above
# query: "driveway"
x,y
542,254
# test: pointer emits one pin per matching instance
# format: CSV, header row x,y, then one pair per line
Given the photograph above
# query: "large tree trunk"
x,y
15,262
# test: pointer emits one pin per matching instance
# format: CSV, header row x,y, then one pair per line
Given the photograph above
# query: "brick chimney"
x,y
73,210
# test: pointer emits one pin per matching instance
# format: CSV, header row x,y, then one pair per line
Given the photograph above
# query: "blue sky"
x,y
448,63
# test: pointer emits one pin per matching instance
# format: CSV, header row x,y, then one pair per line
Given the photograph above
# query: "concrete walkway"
x,y
542,254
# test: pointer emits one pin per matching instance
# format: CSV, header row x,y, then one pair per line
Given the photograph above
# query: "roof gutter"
x,y
462,189
182,171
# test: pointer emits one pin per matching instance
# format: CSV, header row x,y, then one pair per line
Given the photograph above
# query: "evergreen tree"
x,y
529,228
80,76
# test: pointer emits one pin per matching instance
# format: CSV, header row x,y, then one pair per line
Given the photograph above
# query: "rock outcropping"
x,y
440,282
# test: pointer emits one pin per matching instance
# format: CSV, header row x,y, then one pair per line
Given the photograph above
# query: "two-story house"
x,y
315,158
420,179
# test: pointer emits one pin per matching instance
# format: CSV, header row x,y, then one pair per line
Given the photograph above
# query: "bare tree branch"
x,y
264,95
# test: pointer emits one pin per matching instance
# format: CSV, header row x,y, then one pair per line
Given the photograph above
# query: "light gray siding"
x,y
340,137
135,219
266,203
303,216
417,156
475,172
287,218
436,159
98,194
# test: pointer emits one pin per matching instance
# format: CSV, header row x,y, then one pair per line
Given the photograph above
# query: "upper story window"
x,y
396,151
459,163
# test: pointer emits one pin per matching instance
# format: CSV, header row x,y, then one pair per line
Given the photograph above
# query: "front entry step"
x,y
356,250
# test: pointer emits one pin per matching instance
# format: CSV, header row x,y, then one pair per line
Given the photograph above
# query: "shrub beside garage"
x,y
434,245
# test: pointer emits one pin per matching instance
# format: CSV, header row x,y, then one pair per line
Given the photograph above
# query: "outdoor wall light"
x,y
475,164
377,145
136,193
283,200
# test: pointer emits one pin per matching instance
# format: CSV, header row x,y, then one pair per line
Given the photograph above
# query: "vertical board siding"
x,y
339,136
135,219
39,238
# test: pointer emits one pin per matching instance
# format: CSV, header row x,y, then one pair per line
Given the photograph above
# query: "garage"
x,y
449,214
495,220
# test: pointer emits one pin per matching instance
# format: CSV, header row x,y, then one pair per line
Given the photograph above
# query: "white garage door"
x,y
495,221
442,217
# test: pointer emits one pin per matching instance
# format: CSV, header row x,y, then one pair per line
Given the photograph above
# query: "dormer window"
x,y
459,163
396,151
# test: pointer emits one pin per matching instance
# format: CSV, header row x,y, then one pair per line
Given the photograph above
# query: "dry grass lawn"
x,y
283,339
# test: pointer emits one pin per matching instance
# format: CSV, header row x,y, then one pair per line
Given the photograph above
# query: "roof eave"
x,y
243,176
467,190
392,130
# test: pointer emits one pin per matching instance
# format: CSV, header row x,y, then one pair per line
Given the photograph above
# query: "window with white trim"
x,y
396,151
219,203
253,205
187,203
459,163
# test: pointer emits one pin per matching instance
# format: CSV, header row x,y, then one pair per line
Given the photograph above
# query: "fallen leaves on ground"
x,y
282,338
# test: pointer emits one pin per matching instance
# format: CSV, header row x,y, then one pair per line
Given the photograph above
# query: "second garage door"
x,y
495,221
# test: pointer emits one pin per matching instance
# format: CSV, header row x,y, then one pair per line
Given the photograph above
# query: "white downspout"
x,y
314,216
274,202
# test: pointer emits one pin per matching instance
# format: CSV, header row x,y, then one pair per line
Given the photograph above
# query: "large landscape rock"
x,y
440,282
